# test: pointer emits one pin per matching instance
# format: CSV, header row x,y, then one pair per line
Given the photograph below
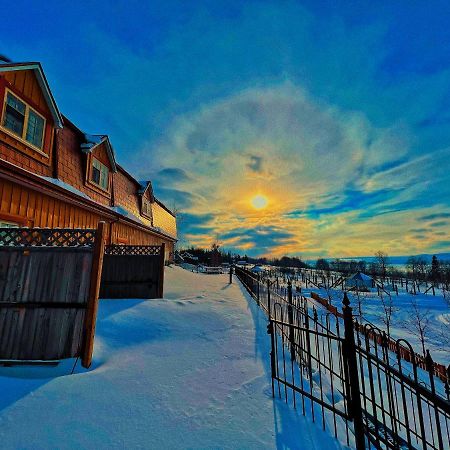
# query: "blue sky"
x,y
337,111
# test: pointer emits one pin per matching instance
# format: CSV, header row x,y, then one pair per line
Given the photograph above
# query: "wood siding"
x,y
35,209
163,219
65,162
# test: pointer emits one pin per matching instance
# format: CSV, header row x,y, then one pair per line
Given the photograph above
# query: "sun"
x,y
259,201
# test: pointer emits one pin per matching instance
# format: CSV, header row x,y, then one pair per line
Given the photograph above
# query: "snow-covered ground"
x,y
187,371
434,309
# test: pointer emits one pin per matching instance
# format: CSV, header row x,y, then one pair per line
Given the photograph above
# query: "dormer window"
x,y
146,207
100,174
23,121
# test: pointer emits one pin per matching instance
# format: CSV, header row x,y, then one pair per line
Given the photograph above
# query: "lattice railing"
x,y
146,250
46,237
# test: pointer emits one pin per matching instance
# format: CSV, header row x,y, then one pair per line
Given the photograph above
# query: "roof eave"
x,y
43,83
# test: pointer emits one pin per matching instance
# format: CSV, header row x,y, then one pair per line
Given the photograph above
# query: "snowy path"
x,y
187,371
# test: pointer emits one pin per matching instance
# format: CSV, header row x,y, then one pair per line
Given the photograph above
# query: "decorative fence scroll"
x,y
49,285
133,271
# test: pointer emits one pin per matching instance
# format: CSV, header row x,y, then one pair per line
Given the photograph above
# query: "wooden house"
x,y
52,174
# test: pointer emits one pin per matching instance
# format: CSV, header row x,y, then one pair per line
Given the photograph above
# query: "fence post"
x,y
430,368
257,288
271,331
291,321
94,290
231,275
269,306
447,383
351,373
308,342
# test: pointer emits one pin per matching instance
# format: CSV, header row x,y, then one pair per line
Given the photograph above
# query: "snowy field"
x,y
433,310
187,371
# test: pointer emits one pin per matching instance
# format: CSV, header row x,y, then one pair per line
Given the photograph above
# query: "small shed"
x,y
257,269
359,280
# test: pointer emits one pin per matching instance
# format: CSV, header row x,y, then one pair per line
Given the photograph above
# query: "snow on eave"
x,y
43,83
66,186
116,209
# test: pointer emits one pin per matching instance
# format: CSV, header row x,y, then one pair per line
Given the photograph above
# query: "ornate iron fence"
x,y
359,388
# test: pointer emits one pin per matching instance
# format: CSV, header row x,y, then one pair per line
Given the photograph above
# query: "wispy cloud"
x,y
339,114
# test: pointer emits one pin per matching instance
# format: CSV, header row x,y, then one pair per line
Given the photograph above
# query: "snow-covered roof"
x,y
94,140
257,269
42,80
144,186
360,276
66,186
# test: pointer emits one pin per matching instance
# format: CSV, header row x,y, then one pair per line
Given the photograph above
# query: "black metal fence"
x,y
355,385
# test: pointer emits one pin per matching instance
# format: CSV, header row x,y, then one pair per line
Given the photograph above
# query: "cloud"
x,y
309,104
444,215
255,163
331,177
176,198
440,223
196,223
173,175
261,240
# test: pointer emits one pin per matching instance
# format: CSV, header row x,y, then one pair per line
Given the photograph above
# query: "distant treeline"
x,y
417,268
203,256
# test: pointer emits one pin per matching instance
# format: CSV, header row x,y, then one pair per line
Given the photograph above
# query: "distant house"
x,y
359,280
52,174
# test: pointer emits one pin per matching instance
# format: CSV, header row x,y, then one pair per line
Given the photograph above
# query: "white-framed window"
x,y
23,121
100,174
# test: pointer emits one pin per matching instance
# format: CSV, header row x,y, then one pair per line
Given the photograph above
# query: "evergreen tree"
x,y
435,269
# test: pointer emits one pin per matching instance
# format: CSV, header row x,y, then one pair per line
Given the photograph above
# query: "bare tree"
x,y
361,297
382,260
418,322
412,264
444,337
445,275
422,269
388,309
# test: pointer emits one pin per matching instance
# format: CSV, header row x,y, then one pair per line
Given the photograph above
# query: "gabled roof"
x,y
360,276
42,80
94,140
144,187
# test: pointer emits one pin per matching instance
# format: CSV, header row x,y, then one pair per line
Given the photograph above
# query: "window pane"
x,y
15,103
100,174
104,177
35,129
14,115
95,175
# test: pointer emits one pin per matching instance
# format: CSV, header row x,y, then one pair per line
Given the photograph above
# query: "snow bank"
x,y
187,371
